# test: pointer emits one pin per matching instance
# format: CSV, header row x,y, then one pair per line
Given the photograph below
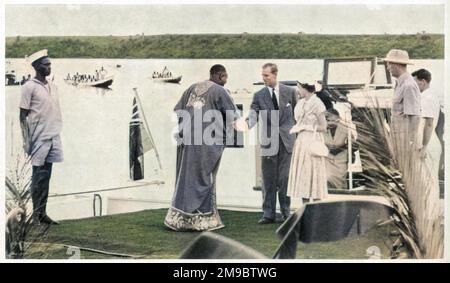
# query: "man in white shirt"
x,y
429,145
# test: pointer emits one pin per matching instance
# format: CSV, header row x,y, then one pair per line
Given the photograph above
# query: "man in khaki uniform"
x,y
405,106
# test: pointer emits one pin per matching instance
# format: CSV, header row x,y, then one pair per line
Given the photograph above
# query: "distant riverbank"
x,y
228,46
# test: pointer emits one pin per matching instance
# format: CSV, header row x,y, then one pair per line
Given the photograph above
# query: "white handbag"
x,y
318,149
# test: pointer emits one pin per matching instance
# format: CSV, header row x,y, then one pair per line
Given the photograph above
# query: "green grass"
x,y
143,234
228,46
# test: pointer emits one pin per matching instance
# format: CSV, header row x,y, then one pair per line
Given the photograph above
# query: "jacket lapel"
x,y
268,99
283,97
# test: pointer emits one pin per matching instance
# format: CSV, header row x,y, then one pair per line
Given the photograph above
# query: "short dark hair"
x,y
273,67
217,69
308,87
422,74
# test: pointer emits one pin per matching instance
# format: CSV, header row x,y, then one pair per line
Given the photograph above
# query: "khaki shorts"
x,y
47,151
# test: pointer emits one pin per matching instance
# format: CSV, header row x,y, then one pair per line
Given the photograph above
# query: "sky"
x,y
107,19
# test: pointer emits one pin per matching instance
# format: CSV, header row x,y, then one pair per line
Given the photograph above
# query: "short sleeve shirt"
x,y
430,105
406,97
44,119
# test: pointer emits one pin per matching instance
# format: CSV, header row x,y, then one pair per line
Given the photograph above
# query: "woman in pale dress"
x,y
307,175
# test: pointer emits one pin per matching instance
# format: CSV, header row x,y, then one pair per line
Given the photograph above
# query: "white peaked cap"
x,y
37,55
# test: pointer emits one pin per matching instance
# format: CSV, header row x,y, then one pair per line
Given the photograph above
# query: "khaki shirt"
x,y
44,120
406,97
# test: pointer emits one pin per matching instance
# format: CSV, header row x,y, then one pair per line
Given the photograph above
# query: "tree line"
x,y
228,46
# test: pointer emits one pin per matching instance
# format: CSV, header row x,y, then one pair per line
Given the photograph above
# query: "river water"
x,y
96,130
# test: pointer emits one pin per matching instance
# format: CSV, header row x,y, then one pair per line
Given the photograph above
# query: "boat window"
x,y
380,75
349,73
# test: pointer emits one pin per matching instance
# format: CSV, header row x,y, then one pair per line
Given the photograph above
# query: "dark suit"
x,y
276,151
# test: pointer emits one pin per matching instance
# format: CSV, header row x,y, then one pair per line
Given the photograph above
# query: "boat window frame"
x,y
374,63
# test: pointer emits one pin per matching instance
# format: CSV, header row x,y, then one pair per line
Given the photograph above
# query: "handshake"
x,y
240,125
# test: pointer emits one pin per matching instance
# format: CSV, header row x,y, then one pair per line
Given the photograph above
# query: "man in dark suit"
x,y
273,106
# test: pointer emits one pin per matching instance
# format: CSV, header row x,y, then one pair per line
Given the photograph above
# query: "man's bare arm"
x,y
427,131
24,126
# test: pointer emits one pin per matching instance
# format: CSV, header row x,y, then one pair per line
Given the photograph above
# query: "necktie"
x,y
274,99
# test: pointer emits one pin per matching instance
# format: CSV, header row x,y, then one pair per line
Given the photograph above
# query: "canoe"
x,y
104,83
174,80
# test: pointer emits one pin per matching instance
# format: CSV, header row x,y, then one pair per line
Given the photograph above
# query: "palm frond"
x,y
22,231
402,178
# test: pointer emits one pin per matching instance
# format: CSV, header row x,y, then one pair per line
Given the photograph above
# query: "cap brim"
x,y
37,56
397,62
39,59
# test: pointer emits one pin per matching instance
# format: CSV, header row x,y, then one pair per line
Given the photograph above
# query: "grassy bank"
x,y
143,234
233,46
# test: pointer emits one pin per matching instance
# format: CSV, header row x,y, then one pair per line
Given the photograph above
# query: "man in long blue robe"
x,y
206,112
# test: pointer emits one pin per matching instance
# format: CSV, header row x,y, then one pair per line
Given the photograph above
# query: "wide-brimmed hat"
x,y
398,56
37,55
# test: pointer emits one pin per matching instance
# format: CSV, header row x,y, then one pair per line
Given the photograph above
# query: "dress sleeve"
x,y
318,107
297,110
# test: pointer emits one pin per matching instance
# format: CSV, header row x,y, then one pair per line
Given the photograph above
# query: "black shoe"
x,y
281,219
265,220
47,220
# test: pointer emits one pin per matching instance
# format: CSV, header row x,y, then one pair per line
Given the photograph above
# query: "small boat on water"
x,y
165,76
10,76
174,80
10,79
103,83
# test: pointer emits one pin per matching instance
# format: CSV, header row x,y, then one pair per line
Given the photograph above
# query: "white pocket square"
x,y
287,105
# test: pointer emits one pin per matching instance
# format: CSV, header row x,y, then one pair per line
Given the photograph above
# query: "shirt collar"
x,y
38,81
276,87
